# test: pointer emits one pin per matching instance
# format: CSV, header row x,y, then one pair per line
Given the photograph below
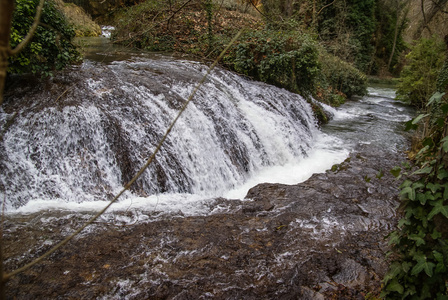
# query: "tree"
x,y
419,76
434,7
400,6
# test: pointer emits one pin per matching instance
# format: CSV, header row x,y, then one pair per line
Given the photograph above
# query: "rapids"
x,y
76,140
94,126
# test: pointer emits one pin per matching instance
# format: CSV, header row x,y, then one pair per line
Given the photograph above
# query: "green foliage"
x,y
341,76
419,76
285,59
420,245
50,49
347,28
386,17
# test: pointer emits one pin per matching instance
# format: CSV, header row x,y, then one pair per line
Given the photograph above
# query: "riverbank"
x,y
316,240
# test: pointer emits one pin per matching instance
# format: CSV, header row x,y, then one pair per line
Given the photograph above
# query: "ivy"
x,y
50,49
420,267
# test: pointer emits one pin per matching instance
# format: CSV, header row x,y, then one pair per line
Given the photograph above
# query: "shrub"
x,y
341,76
284,59
50,49
418,78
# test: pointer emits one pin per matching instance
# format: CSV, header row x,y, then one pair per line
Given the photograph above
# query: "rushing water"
x,y
78,145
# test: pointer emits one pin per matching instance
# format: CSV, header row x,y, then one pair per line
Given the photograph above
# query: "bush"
x,y
50,49
340,76
418,78
285,59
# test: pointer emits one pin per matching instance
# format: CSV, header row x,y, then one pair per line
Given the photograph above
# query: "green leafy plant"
x,y
338,77
285,59
418,78
50,49
420,245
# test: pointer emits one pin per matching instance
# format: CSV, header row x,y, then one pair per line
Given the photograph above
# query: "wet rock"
x,y
322,239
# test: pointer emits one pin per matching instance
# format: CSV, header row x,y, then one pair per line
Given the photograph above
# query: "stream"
x,y
248,198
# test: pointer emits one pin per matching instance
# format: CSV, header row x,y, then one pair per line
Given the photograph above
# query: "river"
x,y
244,203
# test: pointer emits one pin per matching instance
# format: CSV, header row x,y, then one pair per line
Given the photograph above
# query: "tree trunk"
x,y
398,25
6,11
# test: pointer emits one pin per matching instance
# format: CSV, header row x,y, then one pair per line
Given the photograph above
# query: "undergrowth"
x,y
420,245
286,56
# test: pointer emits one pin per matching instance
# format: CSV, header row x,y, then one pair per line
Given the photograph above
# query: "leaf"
x,y
444,108
395,171
409,125
418,118
394,238
418,185
422,198
438,256
436,235
442,174
394,286
404,222
423,265
406,183
425,170
395,269
435,98
438,208
406,266
433,187
418,240
380,174
445,144
409,191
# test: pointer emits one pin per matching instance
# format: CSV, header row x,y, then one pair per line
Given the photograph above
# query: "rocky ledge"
x,y
321,239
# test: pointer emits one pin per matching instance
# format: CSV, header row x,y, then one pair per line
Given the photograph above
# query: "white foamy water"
x,y
236,134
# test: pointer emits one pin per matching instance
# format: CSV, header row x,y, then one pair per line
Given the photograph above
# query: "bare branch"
x,y
325,6
6,277
182,6
256,8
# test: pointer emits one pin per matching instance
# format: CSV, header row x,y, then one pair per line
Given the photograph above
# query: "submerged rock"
x,y
307,241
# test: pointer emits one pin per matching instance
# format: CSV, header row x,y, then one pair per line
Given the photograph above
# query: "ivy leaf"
x,y
401,223
442,174
394,238
425,170
433,187
418,240
423,265
444,142
409,191
394,286
422,198
395,171
436,234
438,256
406,266
438,208
395,269
445,192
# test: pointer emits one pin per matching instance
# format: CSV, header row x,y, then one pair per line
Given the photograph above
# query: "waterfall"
x,y
82,137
